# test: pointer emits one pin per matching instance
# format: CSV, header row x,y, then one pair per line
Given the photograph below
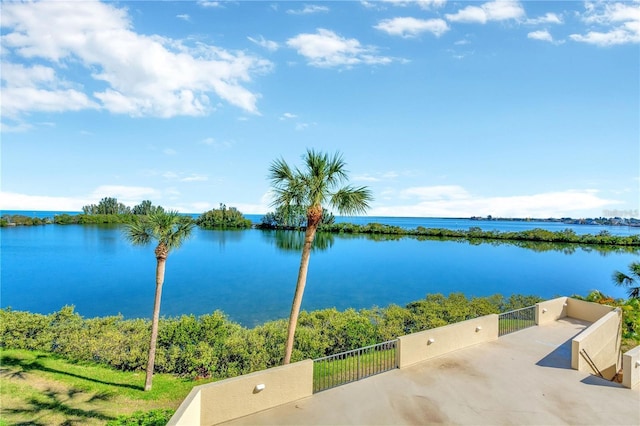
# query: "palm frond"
x,y
623,280
316,184
350,200
137,232
280,172
168,228
336,170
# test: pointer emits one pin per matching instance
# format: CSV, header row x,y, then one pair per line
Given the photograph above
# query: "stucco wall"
x,y
551,310
239,396
189,411
601,342
427,344
631,368
586,311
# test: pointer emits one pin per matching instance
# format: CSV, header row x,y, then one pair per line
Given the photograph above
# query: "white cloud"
x,y
391,175
195,207
218,145
365,178
15,201
609,38
308,9
209,3
440,192
38,87
251,208
455,201
327,49
128,195
547,18
542,35
195,178
412,27
424,4
436,201
130,73
608,12
16,100
271,46
172,192
181,177
287,116
184,17
497,10
614,23
14,127
468,14
170,175
169,151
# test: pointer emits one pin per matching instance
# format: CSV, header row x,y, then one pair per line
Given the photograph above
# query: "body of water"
x,y
251,274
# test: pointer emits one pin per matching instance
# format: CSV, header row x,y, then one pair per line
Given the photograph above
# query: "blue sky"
x,y
442,108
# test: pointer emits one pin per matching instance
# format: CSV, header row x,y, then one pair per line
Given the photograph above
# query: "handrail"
x,y
592,364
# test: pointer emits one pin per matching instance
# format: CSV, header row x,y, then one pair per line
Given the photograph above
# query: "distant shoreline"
x,y
607,221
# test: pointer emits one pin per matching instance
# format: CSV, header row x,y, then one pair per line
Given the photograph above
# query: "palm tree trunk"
x,y
297,297
154,321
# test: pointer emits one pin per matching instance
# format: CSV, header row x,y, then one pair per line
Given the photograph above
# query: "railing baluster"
x,y
345,367
515,320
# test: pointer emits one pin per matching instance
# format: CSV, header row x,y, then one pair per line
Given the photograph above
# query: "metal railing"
x,y
519,319
339,369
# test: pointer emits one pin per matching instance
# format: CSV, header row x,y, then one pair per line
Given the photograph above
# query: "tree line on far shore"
x,y
110,211
231,218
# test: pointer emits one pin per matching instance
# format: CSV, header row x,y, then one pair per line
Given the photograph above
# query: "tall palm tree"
x,y
169,230
319,183
624,280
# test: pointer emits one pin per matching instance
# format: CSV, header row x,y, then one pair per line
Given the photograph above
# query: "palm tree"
x,y
317,184
624,280
170,230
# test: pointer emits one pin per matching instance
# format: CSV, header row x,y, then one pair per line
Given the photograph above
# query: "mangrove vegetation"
x,y
212,346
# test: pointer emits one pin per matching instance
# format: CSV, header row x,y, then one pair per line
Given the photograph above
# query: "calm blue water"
x,y
249,276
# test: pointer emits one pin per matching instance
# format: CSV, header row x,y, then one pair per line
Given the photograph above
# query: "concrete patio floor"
x,y
524,378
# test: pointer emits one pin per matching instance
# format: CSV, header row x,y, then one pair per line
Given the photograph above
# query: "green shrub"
x,y
158,417
24,330
223,218
211,346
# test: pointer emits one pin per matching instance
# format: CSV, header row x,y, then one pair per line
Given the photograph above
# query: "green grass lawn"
x,y
38,388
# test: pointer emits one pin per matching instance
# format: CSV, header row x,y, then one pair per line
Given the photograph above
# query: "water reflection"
x,y
542,246
294,240
104,237
221,236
